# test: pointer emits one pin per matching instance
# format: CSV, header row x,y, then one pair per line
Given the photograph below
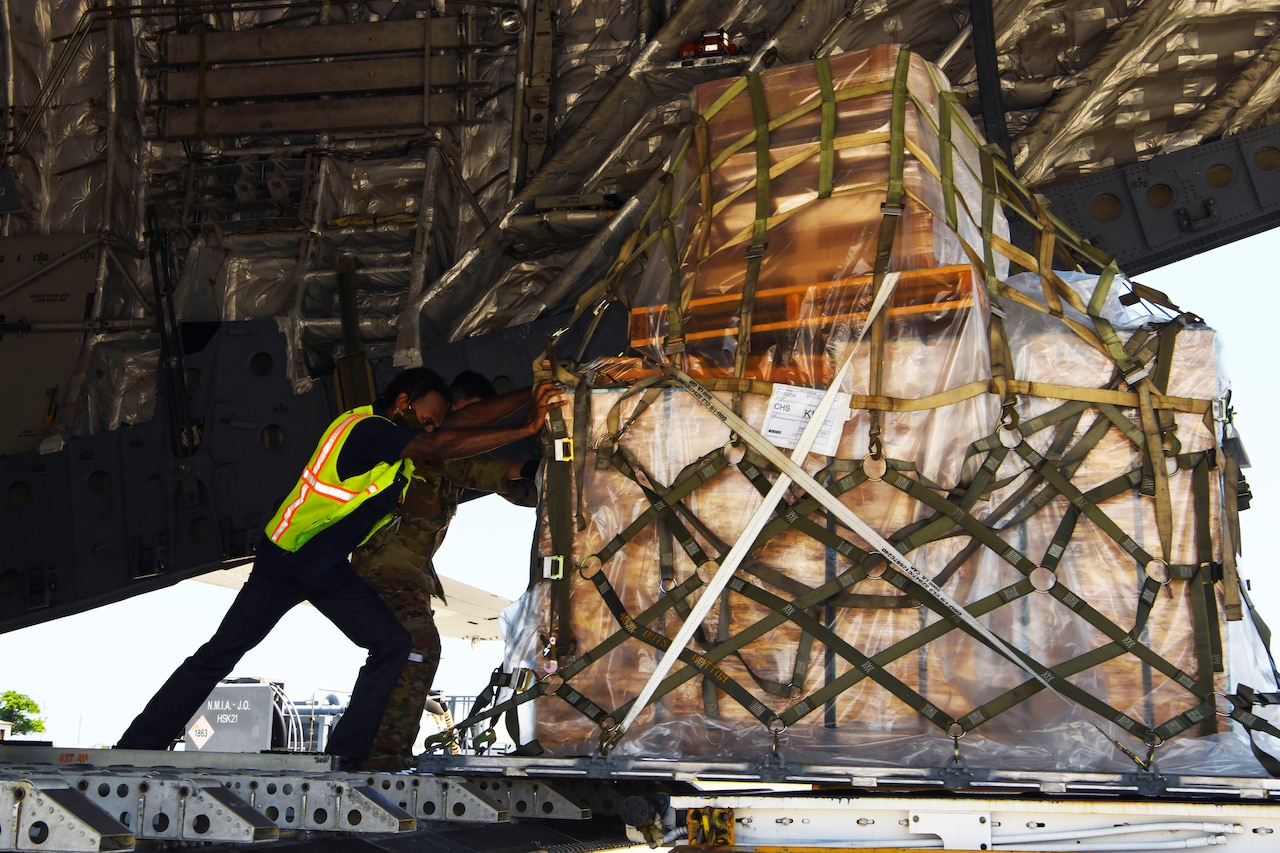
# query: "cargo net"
x,y
1012,540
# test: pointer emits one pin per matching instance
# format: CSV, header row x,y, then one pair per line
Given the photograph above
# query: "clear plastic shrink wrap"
x,y
1057,545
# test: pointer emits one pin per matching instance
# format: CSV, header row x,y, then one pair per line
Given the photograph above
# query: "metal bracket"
x,y
958,830
1210,218
958,774
45,814
1150,784
527,798
459,800
173,807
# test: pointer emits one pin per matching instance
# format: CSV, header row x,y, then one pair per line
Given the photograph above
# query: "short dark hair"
x,y
416,382
471,385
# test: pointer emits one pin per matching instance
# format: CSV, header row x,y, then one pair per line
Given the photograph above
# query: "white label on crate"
x,y
200,732
790,408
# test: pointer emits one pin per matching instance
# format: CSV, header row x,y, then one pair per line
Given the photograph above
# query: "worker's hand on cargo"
x,y
547,395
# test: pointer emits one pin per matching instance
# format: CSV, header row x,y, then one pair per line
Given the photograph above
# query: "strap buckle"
x,y
1138,372
756,252
553,568
562,449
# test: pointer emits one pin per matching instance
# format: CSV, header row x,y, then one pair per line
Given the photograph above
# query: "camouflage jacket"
x,y
401,552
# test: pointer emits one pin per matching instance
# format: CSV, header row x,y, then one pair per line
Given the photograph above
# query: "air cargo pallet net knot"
x,y
1037,454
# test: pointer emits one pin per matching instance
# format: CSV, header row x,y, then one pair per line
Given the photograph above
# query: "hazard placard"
x,y
199,733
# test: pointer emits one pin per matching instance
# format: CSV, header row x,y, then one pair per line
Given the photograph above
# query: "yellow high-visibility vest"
x,y
321,497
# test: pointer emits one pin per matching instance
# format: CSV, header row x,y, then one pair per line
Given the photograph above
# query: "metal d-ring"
x,y
875,467
590,567
1008,432
1158,571
734,451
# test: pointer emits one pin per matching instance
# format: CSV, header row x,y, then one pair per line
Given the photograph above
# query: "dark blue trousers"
x,y
352,605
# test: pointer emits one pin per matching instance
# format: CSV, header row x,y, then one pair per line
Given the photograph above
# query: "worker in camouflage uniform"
x,y
397,562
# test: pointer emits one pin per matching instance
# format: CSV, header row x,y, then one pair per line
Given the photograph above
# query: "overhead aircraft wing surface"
x,y
216,221
470,613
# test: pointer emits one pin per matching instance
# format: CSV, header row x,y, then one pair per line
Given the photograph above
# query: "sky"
x,y
88,676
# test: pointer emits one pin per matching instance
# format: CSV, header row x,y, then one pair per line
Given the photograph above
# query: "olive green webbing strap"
x,y
795,517
661,500
827,128
746,635
690,478
1032,495
581,428
890,215
702,142
614,428
674,598
1087,504
558,488
482,711
1001,359
946,106
566,691
858,661
698,661
665,510
1244,699
759,231
1204,600
1019,561
670,524
673,344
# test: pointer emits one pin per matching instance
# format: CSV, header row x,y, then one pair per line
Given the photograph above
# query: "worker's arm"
x,y
484,412
487,473
452,443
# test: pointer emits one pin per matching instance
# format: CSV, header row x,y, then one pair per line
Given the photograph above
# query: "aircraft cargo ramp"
x,y
118,800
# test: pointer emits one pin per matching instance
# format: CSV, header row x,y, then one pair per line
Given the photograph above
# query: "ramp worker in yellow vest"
x,y
352,486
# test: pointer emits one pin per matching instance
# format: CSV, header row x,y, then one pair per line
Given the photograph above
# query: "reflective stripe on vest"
x,y
311,476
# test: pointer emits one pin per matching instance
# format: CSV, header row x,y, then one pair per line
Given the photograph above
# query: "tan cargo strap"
x,y
702,143
605,443
1126,399
1229,464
